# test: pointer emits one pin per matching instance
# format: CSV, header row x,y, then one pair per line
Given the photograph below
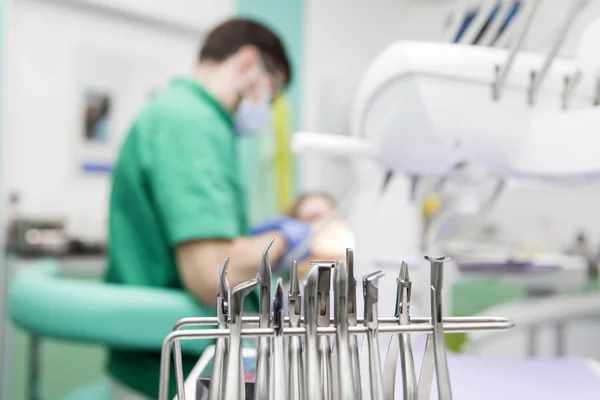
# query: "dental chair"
x,y
47,305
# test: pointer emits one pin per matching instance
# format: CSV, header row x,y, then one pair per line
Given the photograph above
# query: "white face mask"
x,y
254,117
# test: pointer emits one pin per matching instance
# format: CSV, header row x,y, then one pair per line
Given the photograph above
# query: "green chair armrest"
x,y
119,316
474,296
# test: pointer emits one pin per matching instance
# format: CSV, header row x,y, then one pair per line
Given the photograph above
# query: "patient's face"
x,y
315,209
330,244
332,241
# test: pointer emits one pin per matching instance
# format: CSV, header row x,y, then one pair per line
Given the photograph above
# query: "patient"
x,y
332,235
331,242
313,207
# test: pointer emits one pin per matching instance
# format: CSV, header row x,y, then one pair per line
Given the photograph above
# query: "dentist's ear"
x,y
247,58
246,61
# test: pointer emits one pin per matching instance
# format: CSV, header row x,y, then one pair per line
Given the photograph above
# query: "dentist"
x,y
178,204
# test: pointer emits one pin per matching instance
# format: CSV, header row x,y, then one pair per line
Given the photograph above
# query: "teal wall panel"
x,y
286,17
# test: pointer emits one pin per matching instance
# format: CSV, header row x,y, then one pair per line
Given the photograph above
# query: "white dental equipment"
x,y
424,107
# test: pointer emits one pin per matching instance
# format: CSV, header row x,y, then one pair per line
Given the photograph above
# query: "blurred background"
x,y
75,72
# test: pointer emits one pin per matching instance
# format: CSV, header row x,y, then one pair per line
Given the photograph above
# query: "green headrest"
x,y
45,304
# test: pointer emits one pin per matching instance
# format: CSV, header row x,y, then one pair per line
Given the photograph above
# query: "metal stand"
x,y
329,371
33,384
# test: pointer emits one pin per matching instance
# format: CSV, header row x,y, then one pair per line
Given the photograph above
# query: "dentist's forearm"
x,y
247,252
199,262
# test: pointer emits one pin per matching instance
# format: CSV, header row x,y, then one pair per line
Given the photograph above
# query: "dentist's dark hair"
x,y
227,38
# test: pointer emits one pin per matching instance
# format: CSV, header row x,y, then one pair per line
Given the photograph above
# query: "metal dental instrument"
x,y
279,375
370,293
391,359
365,378
261,389
427,369
407,363
218,372
295,370
342,343
323,307
317,379
503,71
539,76
234,382
312,367
571,85
439,343
401,345
354,359
216,387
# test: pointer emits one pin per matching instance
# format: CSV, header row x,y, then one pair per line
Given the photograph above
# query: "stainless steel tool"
x,y
435,349
427,370
409,376
323,374
218,372
278,372
365,362
234,381
261,389
401,345
216,388
345,379
312,367
323,320
371,294
429,366
295,370
439,343
354,358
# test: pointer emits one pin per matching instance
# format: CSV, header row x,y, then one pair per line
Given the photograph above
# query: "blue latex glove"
x,y
273,224
294,231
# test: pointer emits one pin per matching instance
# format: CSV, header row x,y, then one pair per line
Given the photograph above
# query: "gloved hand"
x,y
293,230
273,224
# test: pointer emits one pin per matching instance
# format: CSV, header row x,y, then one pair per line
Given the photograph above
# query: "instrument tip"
x,y
341,278
350,263
294,279
265,266
404,272
370,282
437,259
279,286
223,285
278,322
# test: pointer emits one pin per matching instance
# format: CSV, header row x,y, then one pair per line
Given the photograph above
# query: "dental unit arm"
x,y
422,108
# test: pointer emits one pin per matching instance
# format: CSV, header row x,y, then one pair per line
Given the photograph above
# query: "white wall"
x,y
192,15
341,39
60,48
551,14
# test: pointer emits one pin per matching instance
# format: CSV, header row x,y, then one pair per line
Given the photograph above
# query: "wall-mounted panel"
x,y
61,55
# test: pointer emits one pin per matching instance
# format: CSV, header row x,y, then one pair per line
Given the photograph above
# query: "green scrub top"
x,y
176,179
